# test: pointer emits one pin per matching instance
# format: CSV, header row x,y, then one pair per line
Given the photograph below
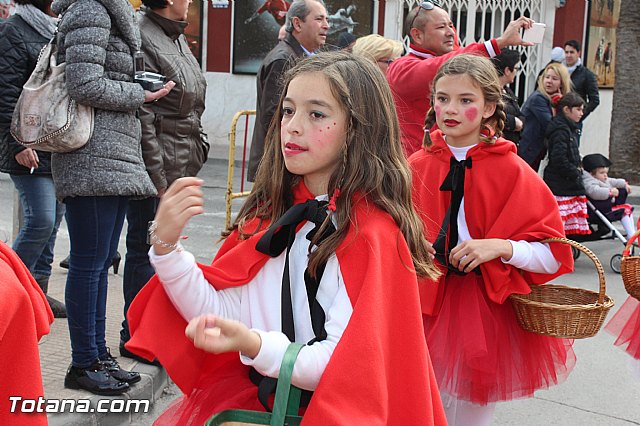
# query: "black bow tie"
x,y
453,182
278,236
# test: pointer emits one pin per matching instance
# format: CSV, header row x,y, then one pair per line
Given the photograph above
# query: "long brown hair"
x,y
373,163
484,75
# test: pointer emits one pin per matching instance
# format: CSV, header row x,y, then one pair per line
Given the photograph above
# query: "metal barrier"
x,y
230,196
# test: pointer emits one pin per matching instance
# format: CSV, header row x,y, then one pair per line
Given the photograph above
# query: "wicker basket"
x,y
560,311
630,269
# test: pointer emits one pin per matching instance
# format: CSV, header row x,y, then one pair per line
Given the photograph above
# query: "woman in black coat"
x,y
22,37
563,173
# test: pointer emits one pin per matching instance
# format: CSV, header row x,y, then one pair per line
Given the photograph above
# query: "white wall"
x,y
226,94
595,133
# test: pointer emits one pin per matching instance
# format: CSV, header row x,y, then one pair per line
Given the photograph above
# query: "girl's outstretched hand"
x,y
469,254
217,335
181,201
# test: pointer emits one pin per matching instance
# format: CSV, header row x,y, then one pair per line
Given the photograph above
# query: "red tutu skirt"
x,y
625,325
481,354
227,388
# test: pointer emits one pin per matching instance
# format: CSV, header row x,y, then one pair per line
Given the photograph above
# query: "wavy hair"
x,y
373,163
565,79
484,75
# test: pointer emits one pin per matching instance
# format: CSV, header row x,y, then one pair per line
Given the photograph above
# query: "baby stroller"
x,y
602,228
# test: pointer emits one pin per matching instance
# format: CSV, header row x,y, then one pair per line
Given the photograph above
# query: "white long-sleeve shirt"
x,y
257,305
529,256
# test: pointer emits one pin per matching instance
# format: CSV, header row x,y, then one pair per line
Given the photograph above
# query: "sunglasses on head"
x,y
426,5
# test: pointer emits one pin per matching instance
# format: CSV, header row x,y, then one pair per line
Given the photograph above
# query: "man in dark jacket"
x,y
584,81
306,28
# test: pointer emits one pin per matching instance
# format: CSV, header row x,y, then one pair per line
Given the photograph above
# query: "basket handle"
x,y
627,248
287,399
591,256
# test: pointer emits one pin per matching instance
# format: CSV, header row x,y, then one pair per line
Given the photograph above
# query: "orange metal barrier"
x,y
230,196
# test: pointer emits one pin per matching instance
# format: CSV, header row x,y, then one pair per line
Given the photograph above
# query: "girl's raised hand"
x,y
181,201
469,254
217,335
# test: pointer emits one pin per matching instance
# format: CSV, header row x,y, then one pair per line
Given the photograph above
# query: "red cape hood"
x,y
503,198
380,372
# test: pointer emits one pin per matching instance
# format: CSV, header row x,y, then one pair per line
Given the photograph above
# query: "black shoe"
x,y
115,262
57,307
64,263
95,379
128,354
117,372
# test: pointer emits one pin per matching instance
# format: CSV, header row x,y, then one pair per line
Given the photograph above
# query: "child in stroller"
x,y
608,195
606,203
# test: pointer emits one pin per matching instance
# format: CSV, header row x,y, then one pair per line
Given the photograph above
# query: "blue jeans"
x,y
42,217
137,268
94,225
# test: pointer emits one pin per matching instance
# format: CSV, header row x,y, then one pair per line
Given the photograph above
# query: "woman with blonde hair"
x,y
538,111
380,50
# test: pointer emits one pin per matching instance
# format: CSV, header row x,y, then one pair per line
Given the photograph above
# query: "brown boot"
x,y
57,307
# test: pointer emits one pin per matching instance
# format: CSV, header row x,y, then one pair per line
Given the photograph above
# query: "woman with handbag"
x,y
21,38
96,39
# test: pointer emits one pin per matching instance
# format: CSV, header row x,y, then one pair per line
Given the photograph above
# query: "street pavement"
x,y
600,390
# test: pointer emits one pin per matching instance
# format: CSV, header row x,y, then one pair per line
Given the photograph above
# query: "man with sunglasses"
x,y
433,42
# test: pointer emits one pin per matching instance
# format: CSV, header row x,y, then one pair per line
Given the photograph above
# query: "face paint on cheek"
x,y
437,109
471,113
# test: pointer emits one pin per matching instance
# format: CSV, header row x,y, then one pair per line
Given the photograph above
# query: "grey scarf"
x,y
44,24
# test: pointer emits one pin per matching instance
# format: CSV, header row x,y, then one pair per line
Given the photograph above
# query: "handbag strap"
x,y
287,399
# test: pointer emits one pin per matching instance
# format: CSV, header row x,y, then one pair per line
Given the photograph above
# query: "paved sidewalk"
x,y
55,356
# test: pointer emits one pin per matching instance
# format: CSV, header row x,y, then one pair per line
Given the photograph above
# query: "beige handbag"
x,y
45,117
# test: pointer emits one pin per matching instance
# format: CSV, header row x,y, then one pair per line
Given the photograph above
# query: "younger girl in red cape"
x,y
625,325
325,251
486,211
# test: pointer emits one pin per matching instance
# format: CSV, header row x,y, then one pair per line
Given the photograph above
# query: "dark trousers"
x,y
137,268
605,206
42,215
94,225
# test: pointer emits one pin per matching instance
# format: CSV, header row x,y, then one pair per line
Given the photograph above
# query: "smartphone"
x,y
535,34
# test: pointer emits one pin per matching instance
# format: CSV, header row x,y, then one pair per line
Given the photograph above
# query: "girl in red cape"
x,y
325,251
625,325
25,317
486,211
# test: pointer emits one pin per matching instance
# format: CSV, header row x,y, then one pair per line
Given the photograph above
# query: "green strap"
x,y
287,401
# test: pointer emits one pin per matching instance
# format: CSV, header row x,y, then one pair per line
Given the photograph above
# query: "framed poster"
x,y
6,9
256,24
600,55
193,32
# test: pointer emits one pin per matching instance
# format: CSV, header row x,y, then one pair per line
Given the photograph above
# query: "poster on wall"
x,y
256,24
601,58
6,9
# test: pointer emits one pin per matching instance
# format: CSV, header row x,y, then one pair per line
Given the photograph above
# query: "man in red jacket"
x,y
433,41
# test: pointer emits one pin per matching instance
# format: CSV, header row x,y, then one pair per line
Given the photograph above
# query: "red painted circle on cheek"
x,y
437,110
471,113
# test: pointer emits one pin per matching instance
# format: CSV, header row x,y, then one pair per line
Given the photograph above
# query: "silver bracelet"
x,y
153,238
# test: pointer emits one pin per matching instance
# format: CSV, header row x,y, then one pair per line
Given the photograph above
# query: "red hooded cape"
x,y
25,317
380,372
503,198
